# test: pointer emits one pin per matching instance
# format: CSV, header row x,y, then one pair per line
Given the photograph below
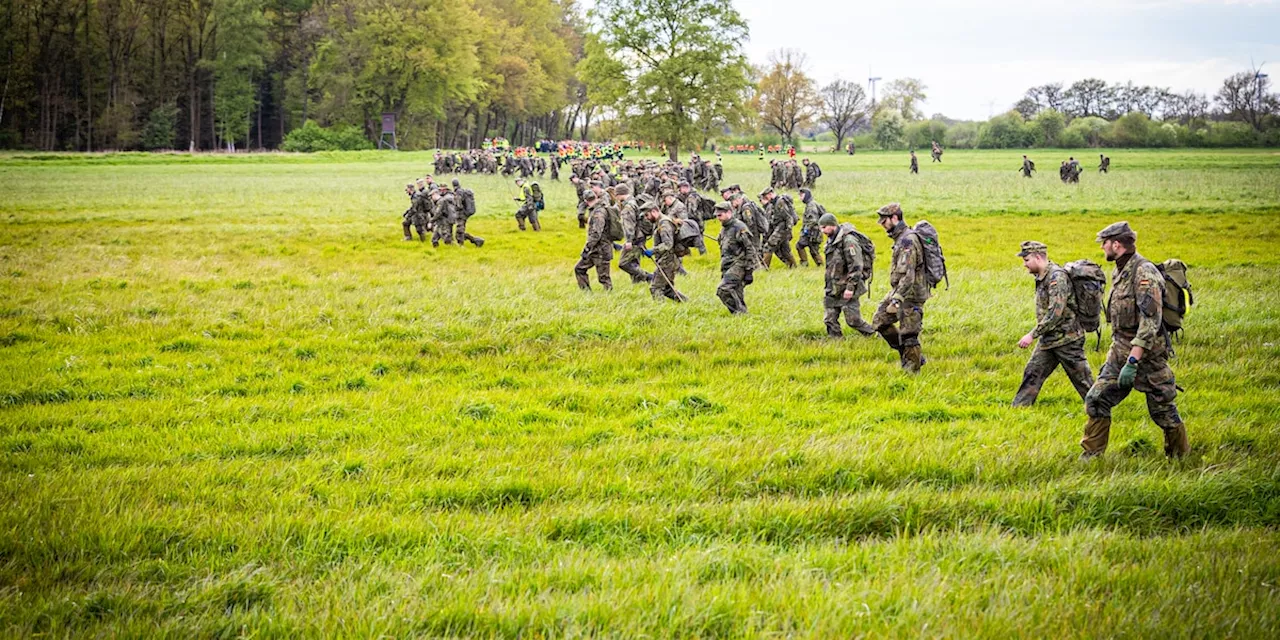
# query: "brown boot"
x,y
1176,444
537,226
817,260
768,259
1097,431
912,359
804,262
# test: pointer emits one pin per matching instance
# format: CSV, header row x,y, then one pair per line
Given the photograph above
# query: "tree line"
x,y
85,75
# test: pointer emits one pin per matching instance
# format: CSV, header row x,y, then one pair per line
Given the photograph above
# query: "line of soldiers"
x,y
434,207
786,174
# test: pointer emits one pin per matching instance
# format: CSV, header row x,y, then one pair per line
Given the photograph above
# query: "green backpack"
x,y
1177,294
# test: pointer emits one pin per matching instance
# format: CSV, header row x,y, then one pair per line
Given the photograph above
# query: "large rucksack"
x,y
793,219
1177,294
868,255
468,202
538,202
1088,283
935,265
613,224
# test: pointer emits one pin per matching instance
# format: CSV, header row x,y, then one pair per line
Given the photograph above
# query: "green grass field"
x,y
234,403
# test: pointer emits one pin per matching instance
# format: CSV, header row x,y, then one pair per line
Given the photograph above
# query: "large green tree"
x,y
683,63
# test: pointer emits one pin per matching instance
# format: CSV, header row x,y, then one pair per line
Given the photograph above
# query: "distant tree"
x,y
1187,107
1090,97
1028,107
786,97
1049,125
844,108
906,96
240,36
888,128
1246,97
683,64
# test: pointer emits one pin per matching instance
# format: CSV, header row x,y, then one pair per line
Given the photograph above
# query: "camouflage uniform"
x,y
528,210
1104,164
443,220
915,164
909,289
810,235
635,231
738,259
666,260
461,197
756,220
598,250
692,204
781,217
1027,167
414,218
1060,338
845,272
1135,309
811,173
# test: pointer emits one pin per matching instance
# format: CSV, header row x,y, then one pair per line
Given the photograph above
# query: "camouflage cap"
x,y
891,209
596,183
724,206
648,205
828,220
590,197
684,183
622,190
1116,230
456,184
1031,246
734,187
667,193
765,192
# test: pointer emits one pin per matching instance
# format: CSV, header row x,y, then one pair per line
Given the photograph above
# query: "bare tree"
x,y
786,98
844,108
1246,97
1089,97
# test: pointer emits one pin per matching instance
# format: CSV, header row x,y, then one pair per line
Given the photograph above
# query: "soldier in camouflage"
x,y
528,208
1027,166
465,200
635,231
810,235
1061,340
900,316
915,164
445,216
598,250
755,219
1139,355
781,217
666,258
846,278
738,258
413,216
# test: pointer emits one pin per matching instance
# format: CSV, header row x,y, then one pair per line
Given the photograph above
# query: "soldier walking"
x,y
1139,355
666,258
915,164
1060,336
738,259
900,316
465,201
635,231
1027,166
782,215
528,207
413,215
598,250
846,278
810,234
1104,164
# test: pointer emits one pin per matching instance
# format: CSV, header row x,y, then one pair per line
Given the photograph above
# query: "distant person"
x,y
1027,166
598,250
936,152
845,279
900,316
810,231
738,258
465,200
1058,336
413,218
1104,166
915,164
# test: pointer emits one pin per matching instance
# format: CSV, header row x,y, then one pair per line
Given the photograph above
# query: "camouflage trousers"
x,y
663,284
732,289
460,232
1155,380
414,223
779,244
810,240
441,230
834,306
530,213
629,263
1043,363
598,260
901,329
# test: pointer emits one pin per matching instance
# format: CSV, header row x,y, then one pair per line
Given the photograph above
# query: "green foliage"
x,y
888,129
1049,125
1091,130
162,128
1230,134
312,137
1006,131
682,60
242,29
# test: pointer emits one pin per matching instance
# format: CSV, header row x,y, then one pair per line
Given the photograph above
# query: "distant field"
x,y
234,403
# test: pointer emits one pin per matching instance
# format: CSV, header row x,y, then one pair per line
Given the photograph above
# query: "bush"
x,y
1006,131
1129,130
1231,134
887,127
162,128
1049,126
1091,130
963,135
312,137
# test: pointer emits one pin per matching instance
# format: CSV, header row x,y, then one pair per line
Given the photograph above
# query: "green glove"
x,y
1127,373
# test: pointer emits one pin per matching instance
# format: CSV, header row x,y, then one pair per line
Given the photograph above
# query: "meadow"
x,y
233,403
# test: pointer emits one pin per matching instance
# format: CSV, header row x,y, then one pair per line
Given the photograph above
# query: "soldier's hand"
x,y
848,295
894,306
1127,373
1026,341
626,246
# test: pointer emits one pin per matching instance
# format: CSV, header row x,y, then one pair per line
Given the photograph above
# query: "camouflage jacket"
x,y
632,229
844,264
755,219
812,211
781,216
598,243
907,279
1136,305
664,238
446,210
676,210
1056,323
737,247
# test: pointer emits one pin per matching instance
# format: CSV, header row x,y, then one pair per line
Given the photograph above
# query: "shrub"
x,y
312,137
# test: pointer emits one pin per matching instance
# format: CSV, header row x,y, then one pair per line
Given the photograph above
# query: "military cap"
x,y
456,184
590,196
765,192
409,185
724,206
724,190
648,205
596,183
667,193
735,187
1116,230
828,220
891,209
1031,246
622,190
684,183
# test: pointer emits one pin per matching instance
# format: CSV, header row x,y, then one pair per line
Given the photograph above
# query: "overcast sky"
x,y
978,57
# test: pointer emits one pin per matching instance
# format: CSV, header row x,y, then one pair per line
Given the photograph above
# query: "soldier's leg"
x,y
730,291
1076,366
815,248
629,263
533,219
1105,393
831,309
422,232
1041,364
800,251
884,322
408,234
853,317
602,272
701,246
521,214
448,233
582,215
784,253
580,272
1156,380
909,327
460,233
